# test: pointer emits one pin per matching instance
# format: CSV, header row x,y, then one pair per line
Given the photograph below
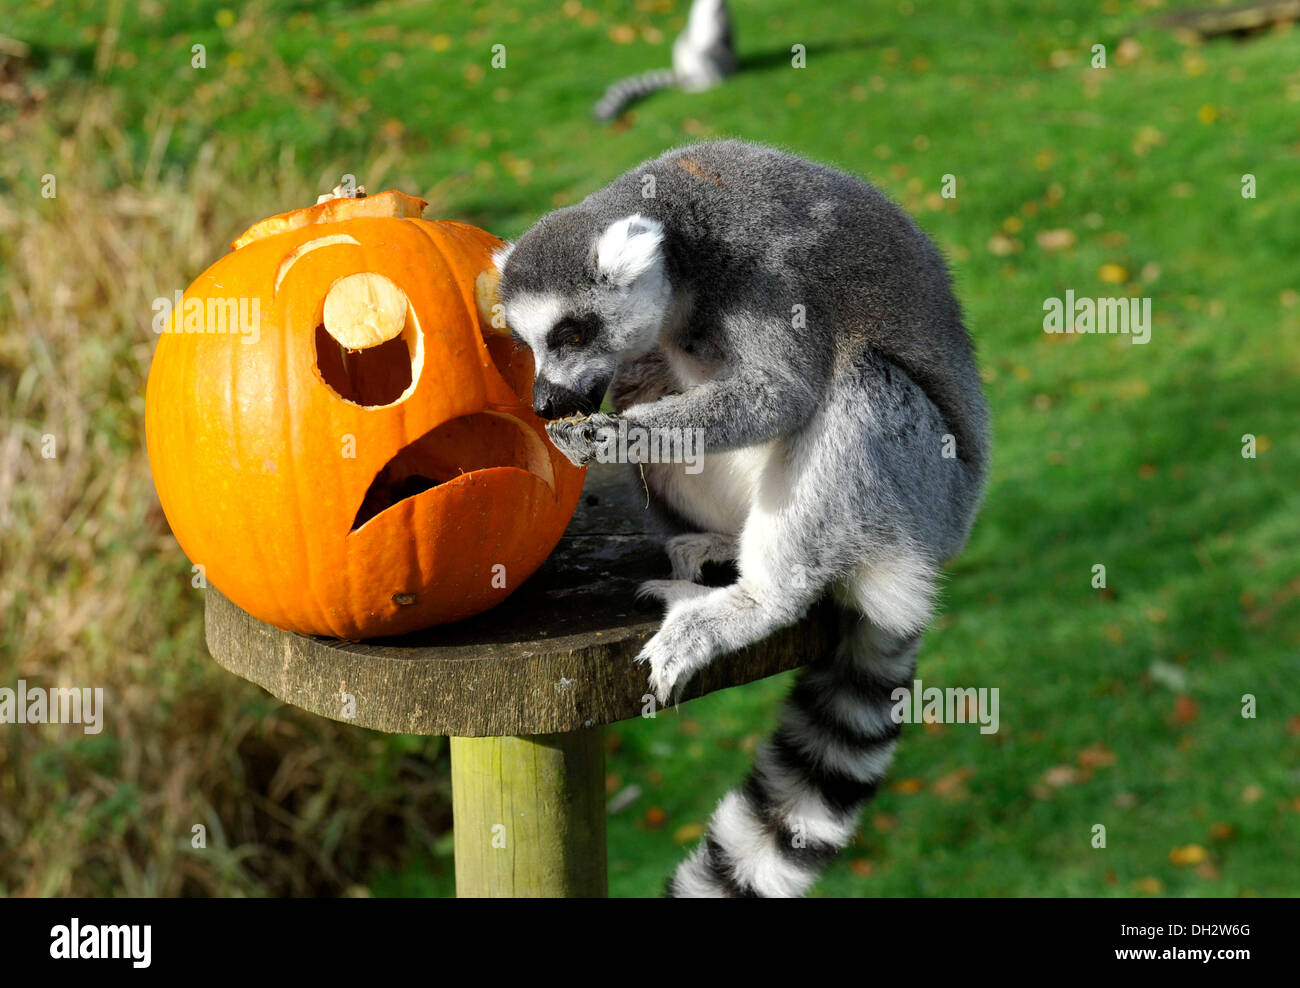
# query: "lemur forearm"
x,y
744,408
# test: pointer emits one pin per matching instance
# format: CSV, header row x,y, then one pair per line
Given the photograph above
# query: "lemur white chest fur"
x,y
718,496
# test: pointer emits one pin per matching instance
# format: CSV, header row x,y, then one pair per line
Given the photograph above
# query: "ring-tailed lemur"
x,y
703,55
807,326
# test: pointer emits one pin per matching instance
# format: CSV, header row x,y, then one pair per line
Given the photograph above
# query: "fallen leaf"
x,y
1113,274
655,816
1056,239
953,784
1186,710
1060,775
862,867
1150,885
1251,794
909,786
1188,854
1000,245
1223,831
688,833
1096,756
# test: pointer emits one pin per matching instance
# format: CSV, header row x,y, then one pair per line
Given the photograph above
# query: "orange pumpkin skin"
x,y
262,466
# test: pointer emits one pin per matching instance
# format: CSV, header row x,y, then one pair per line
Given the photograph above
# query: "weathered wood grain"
x,y
556,656
530,816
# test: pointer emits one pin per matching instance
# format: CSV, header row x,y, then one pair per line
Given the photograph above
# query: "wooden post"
x,y
529,815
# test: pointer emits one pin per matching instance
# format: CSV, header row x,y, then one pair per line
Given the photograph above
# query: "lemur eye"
x,y
568,332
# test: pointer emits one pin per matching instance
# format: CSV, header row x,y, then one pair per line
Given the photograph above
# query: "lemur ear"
x,y
500,254
629,248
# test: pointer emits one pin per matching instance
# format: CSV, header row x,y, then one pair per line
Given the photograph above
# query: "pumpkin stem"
x,y
341,191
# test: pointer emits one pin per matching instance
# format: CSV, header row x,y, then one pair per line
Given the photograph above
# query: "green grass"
x,y
1106,452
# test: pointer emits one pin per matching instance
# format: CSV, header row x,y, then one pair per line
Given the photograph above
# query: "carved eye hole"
x,y
369,349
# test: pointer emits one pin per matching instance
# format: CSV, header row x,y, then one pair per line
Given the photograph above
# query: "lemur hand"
x,y
582,440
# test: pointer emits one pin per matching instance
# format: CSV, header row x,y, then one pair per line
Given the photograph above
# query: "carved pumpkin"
x,y
338,435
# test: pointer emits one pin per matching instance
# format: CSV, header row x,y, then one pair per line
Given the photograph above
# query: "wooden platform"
x,y
556,656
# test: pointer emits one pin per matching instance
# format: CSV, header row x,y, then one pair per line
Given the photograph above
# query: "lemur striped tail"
x,y
625,92
799,807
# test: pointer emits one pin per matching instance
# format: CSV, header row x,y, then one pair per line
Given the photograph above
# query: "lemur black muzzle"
x,y
554,401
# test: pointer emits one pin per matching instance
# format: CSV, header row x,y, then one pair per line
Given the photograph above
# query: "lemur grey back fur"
x,y
703,55
807,328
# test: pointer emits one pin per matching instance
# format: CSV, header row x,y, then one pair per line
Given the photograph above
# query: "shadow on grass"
x,y
778,58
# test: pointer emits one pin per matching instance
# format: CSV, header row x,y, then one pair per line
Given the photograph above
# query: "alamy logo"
x,y
954,705
1098,315
240,316
641,445
77,942
61,705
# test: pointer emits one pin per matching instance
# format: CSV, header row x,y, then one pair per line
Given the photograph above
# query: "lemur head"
x,y
583,296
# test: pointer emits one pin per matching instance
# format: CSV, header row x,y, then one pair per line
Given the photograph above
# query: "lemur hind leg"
x,y
671,591
833,509
781,574
688,553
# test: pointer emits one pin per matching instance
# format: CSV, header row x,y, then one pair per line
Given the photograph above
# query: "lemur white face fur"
x,y
581,330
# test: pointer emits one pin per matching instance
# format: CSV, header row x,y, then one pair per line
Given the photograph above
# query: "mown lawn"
x,y
1119,706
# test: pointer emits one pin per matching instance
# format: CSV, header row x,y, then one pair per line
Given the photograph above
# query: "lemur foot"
x,y
688,553
677,649
670,591
582,440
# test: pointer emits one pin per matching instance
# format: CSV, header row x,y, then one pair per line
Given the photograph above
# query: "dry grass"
x,y
95,592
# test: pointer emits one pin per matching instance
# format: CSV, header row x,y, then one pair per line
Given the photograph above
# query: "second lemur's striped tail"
x,y
625,92
799,807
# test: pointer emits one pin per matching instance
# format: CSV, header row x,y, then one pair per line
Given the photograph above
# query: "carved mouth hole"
x,y
457,447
